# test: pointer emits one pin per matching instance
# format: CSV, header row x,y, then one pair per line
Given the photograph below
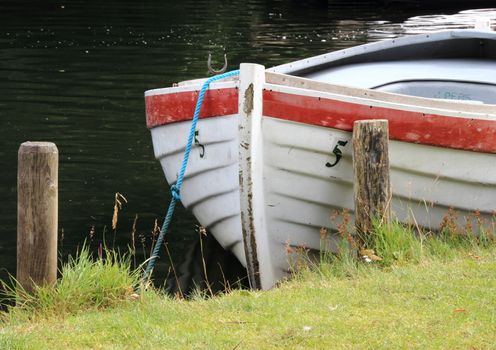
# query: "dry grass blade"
x,y
202,231
133,240
117,205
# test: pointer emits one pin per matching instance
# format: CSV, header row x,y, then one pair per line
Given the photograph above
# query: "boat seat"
x,y
447,90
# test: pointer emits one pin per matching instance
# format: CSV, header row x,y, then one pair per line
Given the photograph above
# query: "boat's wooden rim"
x,y
386,97
169,105
193,85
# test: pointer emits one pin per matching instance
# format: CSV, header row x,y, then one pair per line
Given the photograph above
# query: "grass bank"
x,y
430,294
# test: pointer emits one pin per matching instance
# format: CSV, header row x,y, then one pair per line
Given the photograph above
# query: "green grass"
x,y
396,244
87,283
426,293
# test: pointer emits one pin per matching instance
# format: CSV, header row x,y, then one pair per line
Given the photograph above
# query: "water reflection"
x,y
468,19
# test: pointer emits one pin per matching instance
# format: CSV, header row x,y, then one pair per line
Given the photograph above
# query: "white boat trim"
x,y
192,87
251,193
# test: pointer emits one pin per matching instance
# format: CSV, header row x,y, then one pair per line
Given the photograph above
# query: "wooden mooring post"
x,y
37,214
372,186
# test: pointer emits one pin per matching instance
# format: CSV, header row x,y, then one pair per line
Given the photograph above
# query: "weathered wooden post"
x,y
372,186
37,213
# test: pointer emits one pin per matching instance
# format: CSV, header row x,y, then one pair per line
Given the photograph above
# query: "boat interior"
x,y
470,80
457,65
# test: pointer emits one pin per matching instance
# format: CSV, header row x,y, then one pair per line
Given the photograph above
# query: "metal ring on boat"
x,y
213,71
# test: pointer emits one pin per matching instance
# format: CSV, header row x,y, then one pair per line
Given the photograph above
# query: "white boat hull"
x,y
264,180
302,195
210,187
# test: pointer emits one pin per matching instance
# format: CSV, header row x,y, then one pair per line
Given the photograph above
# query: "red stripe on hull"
x,y
437,130
177,107
430,129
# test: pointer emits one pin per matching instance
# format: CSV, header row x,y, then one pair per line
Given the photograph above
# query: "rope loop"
x,y
175,193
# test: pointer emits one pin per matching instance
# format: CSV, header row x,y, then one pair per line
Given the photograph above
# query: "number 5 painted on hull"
x,y
337,152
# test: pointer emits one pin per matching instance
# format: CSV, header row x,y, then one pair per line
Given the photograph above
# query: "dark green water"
x,y
74,73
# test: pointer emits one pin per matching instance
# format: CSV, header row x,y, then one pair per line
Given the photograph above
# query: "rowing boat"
x,y
272,155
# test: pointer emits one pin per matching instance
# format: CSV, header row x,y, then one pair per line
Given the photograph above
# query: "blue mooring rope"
x,y
175,189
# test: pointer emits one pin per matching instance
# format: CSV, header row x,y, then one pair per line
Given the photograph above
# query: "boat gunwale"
x,y
195,87
312,63
309,87
455,108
